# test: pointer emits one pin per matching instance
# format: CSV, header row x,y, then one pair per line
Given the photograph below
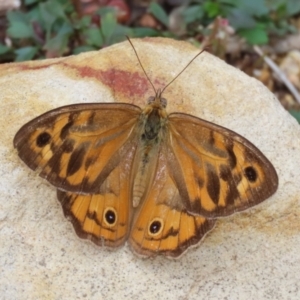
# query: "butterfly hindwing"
x,y
162,224
104,218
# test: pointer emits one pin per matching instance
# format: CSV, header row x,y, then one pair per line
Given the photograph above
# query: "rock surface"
x,y
251,255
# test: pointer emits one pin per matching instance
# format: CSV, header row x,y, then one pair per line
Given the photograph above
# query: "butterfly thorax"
x,y
152,130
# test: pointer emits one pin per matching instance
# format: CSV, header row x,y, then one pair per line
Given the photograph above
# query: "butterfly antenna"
x,y
182,70
141,64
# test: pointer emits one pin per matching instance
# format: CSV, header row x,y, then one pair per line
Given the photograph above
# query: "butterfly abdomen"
x,y
146,159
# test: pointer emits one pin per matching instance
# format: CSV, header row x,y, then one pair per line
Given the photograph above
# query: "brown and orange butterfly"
x,y
159,180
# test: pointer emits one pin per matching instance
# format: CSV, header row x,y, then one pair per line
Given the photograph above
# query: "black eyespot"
x,y
43,139
251,174
110,216
155,227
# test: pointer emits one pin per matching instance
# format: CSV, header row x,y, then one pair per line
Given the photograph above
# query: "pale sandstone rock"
x,y
251,255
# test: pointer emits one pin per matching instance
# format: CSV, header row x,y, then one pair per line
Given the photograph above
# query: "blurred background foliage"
x,y
233,28
53,28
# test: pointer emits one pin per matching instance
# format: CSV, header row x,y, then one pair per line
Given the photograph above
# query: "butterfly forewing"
x,y
217,171
76,147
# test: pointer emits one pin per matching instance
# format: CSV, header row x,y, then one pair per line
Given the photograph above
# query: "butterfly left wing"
x,y
162,224
216,171
76,147
87,152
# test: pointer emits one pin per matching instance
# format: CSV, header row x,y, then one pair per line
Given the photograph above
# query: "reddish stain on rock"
x,y
85,72
126,83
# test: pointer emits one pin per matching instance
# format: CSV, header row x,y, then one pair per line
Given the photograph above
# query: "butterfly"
x,y
156,179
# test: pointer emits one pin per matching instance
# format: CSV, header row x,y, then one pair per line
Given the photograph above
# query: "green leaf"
x,y
120,33
168,34
19,25
212,9
275,4
83,23
193,13
293,7
20,30
34,15
108,26
157,11
47,15
240,19
252,7
52,16
52,9
106,10
93,37
29,2
66,28
295,114
50,13
4,49
256,35
81,49
58,44
25,53
16,16
143,31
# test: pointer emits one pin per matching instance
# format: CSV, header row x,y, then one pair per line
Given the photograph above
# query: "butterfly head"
x,y
156,105
157,101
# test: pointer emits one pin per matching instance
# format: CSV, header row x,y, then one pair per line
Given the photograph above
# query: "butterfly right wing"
x,y
217,171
